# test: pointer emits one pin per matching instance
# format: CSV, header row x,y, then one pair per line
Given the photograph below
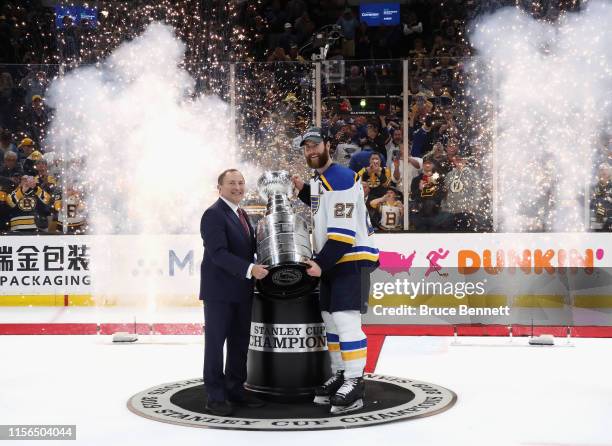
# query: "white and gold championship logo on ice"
x,y
387,399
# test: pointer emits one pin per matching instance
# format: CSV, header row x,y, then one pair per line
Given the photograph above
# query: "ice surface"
x,y
509,393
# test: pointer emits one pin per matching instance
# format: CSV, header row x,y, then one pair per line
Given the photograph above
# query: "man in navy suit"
x,y
226,287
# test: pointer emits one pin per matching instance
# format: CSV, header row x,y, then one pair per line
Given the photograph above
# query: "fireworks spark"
x,y
547,84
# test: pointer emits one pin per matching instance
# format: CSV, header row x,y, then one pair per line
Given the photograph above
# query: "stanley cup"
x,y
283,242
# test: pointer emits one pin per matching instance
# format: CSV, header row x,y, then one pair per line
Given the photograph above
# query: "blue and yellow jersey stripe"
x,y
354,350
341,235
333,342
357,253
326,184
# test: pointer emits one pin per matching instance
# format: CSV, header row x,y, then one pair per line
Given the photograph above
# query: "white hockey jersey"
x,y
339,213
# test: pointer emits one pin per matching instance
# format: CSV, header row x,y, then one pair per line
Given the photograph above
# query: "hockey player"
x,y
344,257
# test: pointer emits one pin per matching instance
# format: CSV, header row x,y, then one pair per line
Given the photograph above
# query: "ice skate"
x,y
324,392
349,396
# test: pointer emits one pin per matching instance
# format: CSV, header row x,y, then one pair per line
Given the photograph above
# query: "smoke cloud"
x,y
145,148
550,85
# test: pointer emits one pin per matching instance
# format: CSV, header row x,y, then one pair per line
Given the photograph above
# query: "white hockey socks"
x,y
353,342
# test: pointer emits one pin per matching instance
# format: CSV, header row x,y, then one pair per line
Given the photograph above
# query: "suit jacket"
x,y
228,252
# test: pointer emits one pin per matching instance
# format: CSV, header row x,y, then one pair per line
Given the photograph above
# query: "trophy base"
x,y
288,357
287,281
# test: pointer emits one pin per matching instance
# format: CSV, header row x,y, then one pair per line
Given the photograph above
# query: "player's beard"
x,y
320,162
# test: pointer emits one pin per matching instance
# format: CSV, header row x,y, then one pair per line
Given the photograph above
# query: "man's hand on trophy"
x,y
314,270
259,271
297,182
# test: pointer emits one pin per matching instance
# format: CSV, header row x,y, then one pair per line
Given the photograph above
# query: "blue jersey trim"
x,y
341,231
339,177
363,248
332,337
354,345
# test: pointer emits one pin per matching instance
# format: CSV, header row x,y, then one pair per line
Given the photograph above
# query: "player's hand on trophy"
x,y
314,269
297,182
259,271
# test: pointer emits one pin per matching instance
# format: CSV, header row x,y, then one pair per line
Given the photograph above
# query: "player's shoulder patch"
x,y
338,177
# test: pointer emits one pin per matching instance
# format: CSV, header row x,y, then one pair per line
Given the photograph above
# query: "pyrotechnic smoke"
x,y
149,149
551,85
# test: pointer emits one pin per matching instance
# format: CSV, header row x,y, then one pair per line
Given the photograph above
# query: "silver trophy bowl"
x,y
283,241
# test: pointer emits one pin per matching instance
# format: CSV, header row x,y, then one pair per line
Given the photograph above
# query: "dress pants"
x,y
226,322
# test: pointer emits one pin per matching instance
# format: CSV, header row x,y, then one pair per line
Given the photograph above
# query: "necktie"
x,y
242,217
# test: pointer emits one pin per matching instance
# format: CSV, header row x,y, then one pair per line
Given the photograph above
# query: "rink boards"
x,y
442,281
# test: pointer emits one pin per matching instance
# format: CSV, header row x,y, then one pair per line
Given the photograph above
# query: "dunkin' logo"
x,y
537,261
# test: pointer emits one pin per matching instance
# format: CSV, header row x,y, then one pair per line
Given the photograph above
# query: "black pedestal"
x,y
288,350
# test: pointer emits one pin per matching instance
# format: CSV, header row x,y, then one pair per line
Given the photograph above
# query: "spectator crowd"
x,y
31,195
438,179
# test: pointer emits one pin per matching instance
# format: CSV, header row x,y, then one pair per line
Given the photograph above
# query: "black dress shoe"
x,y
246,401
220,408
